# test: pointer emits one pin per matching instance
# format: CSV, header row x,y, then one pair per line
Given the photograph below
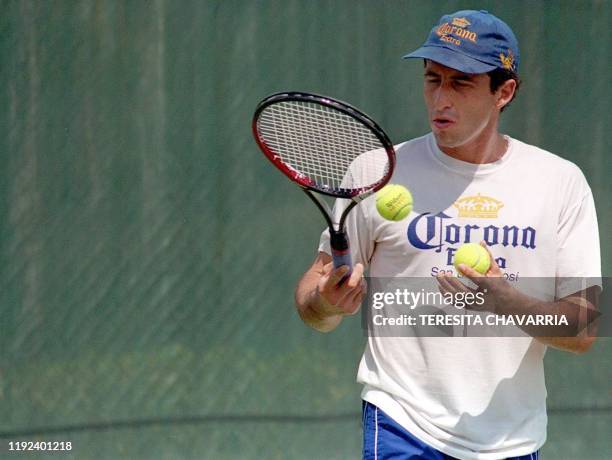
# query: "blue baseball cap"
x,y
471,42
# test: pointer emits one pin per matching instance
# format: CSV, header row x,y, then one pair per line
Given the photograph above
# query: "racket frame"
x,y
338,239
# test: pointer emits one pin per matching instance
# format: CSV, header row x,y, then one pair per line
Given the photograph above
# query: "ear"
x,y
505,93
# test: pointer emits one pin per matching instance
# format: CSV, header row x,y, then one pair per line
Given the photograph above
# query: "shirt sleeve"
x,y
578,250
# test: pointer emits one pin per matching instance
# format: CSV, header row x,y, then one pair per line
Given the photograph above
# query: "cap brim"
x,y
450,58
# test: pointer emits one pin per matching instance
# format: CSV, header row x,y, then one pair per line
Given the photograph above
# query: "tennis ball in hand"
x,y
393,202
473,255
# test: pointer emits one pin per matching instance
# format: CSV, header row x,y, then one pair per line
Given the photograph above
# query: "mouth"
x,y
442,122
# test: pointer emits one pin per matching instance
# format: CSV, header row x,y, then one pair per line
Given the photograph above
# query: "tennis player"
x,y
464,397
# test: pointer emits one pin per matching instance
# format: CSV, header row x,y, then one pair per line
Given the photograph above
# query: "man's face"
x,y
461,107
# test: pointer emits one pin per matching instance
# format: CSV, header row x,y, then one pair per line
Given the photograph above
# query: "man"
x,y
465,397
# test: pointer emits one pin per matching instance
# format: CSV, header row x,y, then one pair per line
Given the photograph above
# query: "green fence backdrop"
x,y
148,252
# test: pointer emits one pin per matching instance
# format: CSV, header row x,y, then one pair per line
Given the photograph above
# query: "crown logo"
x,y
483,207
507,61
461,22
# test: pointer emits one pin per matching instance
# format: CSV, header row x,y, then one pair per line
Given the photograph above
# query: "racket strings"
x,y
323,144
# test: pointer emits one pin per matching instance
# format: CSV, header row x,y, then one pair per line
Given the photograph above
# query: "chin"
x,y
445,139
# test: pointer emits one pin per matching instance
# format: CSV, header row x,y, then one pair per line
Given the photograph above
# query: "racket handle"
x,y
341,253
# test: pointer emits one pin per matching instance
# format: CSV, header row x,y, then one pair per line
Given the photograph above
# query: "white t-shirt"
x,y
473,397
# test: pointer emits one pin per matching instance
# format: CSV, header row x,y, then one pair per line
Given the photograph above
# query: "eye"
x,y
463,83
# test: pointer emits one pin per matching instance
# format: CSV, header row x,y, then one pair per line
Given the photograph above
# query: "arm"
x,y
503,299
321,302
577,337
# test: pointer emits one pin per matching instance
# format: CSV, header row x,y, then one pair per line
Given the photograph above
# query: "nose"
x,y
441,98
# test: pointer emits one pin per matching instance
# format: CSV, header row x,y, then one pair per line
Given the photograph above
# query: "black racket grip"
x,y
341,253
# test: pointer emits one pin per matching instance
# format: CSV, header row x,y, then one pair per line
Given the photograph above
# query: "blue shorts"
x,y
385,439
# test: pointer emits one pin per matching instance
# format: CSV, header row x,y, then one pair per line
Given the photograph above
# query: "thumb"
x,y
337,274
494,267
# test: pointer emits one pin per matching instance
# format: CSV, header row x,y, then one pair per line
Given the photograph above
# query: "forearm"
x,y
572,337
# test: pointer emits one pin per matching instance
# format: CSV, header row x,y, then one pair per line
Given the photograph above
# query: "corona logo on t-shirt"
x,y
444,233
482,207
458,28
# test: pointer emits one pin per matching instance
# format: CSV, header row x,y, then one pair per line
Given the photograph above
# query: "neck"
x,y
485,148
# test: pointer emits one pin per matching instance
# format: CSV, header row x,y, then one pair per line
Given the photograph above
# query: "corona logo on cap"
x,y
478,206
452,33
507,61
461,22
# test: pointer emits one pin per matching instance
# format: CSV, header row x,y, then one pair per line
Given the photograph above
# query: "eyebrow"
x,y
461,76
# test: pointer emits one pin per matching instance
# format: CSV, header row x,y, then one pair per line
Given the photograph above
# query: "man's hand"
x,y
495,289
337,295
323,295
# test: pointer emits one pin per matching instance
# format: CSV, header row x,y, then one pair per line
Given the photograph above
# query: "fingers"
x,y
452,284
470,272
357,297
494,269
444,284
337,274
344,297
356,276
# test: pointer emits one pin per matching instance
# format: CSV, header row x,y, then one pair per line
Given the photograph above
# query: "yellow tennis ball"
x,y
473,255
393,202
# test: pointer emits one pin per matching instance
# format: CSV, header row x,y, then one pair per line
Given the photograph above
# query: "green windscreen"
x,y
149,251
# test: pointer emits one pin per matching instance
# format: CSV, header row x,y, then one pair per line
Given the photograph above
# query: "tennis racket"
x,y
325,146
